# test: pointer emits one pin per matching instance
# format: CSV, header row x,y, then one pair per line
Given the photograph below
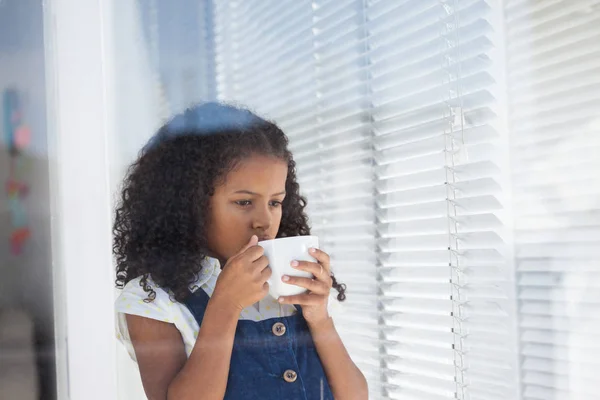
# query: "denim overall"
x,y
271,359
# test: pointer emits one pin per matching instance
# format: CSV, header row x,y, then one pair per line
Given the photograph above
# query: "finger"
x,y
253,253
252,242
302,299
265,289
261,263
322,257
315,286
320,272
266,273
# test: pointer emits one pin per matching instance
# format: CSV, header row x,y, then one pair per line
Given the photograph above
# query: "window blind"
x,y
391,108
554,93
335,160
439,196
303,65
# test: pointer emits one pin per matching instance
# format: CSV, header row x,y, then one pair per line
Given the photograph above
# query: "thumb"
x,y
253,242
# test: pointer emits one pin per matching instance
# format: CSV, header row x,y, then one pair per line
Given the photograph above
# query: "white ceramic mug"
x,y
281,252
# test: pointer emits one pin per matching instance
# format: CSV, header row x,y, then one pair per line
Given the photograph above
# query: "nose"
x,y
261,219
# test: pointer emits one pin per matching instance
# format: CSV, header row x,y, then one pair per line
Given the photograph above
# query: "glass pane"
x,y
27,364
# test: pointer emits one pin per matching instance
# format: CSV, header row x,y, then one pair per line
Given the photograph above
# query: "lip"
x,y
263,238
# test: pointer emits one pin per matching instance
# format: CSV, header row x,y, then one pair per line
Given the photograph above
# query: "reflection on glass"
x,y
204,307
446,150
447,153
26,294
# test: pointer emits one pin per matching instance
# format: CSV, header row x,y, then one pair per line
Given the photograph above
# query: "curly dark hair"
x,y
160,223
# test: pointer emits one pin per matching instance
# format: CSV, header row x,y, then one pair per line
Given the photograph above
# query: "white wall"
x,y
81,130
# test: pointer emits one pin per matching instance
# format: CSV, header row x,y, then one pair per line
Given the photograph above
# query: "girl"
x,y
194,311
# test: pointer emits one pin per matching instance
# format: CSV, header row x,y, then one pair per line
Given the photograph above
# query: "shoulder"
x,y
135,300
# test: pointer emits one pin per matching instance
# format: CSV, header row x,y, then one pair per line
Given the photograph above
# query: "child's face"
x,y
248,203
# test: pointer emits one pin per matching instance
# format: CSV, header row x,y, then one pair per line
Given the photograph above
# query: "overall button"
x,y
278,329
290,376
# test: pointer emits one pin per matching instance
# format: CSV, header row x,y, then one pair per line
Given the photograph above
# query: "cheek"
x,y
276,221
227,220
226,233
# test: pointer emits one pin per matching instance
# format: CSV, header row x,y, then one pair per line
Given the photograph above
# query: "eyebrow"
x,y
256,194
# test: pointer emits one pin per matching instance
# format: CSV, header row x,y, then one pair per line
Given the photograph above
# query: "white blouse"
x,y
131,301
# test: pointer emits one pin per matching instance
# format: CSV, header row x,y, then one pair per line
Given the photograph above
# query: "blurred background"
x,y
449,150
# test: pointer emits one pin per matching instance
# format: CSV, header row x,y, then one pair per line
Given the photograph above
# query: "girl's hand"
x,y
243,280
314,303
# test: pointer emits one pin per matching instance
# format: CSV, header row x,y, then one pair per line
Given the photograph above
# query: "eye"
x,y
276,203
243,203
